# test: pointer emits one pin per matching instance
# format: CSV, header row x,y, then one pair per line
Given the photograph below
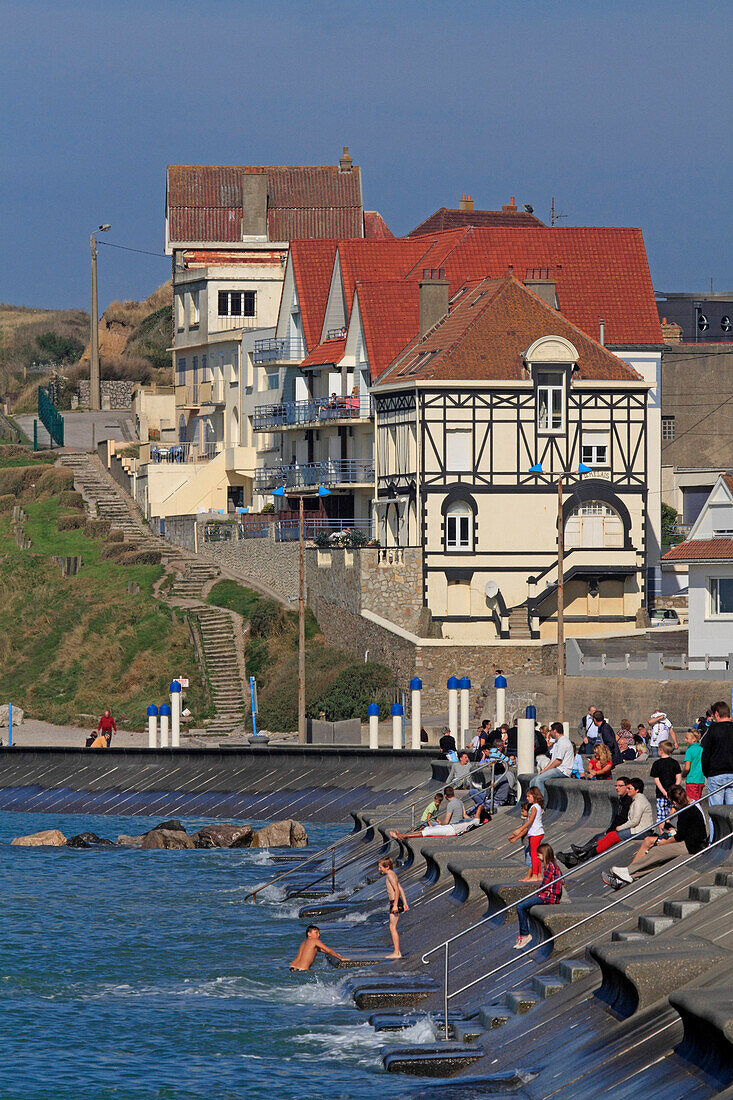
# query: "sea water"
x,y
127,974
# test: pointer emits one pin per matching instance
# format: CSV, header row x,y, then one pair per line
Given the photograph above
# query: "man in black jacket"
x,y
717,756
688,834
578,853
607,736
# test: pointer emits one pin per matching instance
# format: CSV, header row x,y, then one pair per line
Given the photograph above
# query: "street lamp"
x,y
95,397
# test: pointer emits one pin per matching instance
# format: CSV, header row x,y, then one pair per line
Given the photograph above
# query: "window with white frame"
x,y
667,429
272,379
722,517
193,309
550,401
458,450
720,597
459,527
594,525
237,303
594,449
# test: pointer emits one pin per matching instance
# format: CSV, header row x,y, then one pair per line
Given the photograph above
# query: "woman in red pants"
x,y
534,830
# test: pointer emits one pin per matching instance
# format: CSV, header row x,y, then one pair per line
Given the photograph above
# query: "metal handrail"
x,y
561,878
448,996
336,844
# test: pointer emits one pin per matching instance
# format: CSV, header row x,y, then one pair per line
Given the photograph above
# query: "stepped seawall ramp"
x,y
312,783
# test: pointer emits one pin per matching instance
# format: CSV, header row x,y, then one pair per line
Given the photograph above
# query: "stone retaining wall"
x,y
117,391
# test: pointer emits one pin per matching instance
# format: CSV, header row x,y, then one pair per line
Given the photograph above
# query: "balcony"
x,y
218,393
278,351
193,396
307,476
179,453
296,414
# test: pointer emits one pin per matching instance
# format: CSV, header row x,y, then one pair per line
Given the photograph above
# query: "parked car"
x,y
664,616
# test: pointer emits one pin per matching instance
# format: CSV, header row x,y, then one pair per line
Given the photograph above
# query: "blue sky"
x,y
621,110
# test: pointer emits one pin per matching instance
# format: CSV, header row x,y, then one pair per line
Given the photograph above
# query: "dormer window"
x,y
550,401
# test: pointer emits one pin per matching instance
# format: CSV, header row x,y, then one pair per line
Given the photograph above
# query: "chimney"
x,y
466,203
346,161
510,207
540,281
434,294
671,332
601,331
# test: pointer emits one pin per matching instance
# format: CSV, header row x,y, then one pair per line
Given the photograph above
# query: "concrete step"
x,y
521,1000
724,878
681,908
707,893
629,937
439,1061
655,923
548,984
493,1016
574,970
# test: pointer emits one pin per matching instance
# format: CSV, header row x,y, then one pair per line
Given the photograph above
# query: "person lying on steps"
x,y
451,819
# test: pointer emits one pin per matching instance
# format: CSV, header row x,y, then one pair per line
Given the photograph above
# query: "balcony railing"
x,y
278,351
185,452
291,414
194,395
335,334
335,529
308,475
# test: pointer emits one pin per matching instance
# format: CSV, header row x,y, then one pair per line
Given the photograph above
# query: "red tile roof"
x,y
204,202
375,227
327,353
701,550
193,257
598,272
390,317
728,479
486,334
312,267
446,218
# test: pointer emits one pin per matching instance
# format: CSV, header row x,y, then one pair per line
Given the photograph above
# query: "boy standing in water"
x,y
397,903
310,947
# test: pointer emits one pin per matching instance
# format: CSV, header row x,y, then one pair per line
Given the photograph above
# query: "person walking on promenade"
x,y
666,773
562,756
550,893
606,736
660,729
397,903
717,756
534,831
107,726
587,731
692,766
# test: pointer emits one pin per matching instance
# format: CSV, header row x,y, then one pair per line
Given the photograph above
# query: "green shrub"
x,y
267,619
97,528
353,690
70,499
256,657
268,509
115,534
113,551
55,479
140,557
70,523
322,539
7,502
234,596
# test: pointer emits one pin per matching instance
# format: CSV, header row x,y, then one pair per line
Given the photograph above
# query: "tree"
x,y
669,524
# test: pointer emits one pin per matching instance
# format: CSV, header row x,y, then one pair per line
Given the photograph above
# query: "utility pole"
x,y
301,628
560,607
95,397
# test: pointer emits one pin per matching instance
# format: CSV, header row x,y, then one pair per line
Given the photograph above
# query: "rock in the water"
x,y
281,834
173,825
124,841
88,840
18,715
166,838
223,836
50,838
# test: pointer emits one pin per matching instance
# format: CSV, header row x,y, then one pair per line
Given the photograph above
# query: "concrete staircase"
x,y
518,624
105,499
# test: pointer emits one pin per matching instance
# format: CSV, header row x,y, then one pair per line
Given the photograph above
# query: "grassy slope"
x,y
73,646
336,684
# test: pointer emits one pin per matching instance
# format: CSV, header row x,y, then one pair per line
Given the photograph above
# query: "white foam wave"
x,y
309,991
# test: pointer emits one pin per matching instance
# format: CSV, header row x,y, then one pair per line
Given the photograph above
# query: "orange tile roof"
x,y
701,550
204,202
327,353
486,334
312,267
390,316
375,227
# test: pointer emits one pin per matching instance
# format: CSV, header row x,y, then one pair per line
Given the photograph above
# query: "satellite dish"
x,y
491,590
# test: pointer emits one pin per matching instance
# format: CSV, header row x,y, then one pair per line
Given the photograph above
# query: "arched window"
x,y
459,526
593,525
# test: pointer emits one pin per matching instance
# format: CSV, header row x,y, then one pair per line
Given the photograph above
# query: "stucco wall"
x,y
713,636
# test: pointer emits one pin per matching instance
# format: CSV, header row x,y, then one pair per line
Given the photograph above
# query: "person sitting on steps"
x,y
452,820
686,834
600,764
460,773
550,893
634,817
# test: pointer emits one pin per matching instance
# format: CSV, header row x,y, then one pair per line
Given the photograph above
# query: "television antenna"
x,y
554,216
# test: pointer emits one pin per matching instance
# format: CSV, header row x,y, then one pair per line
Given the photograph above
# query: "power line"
x,y
126,248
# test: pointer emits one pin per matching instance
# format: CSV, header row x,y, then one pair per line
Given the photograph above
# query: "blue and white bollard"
x,y
373,712
416,710
152,727
175,690
397,714
500,685
165,713
452,686
465,686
